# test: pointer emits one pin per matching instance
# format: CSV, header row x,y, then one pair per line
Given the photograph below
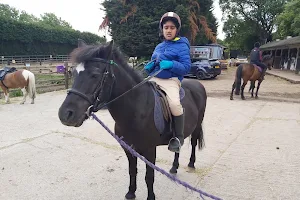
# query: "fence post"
x,y
66,75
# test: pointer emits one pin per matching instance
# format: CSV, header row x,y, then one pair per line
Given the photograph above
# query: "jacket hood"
x,y
181,40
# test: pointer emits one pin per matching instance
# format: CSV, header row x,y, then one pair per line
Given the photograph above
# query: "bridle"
x,y
96,100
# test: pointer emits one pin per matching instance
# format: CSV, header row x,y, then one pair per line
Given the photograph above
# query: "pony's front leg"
x,y
24,95
175,165
242,89
150,155
258,86
6,95
252,88
132,174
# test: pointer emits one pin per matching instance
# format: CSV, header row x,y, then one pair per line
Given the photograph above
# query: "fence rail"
x,y
23,59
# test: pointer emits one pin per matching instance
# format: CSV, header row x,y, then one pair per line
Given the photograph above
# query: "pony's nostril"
x,y
69,114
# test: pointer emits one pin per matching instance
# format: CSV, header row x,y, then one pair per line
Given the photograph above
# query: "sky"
x,y
81,15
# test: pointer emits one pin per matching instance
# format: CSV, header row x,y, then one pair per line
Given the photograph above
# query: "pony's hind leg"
x,y
196,135
175,165
24,91
233,87
193,154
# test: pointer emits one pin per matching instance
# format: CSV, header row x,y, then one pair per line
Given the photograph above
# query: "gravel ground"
x,y
251,151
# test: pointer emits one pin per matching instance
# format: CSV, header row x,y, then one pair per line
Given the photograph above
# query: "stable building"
x,y
286,53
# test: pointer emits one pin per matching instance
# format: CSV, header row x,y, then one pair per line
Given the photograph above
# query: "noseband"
x,y
96,100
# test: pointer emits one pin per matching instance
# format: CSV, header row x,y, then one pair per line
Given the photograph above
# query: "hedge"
x,y
18,38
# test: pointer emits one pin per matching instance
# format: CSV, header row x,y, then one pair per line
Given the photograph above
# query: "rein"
x,y
95,101
136,86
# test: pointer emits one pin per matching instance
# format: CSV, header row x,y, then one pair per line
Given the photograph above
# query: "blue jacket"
x,y
178,51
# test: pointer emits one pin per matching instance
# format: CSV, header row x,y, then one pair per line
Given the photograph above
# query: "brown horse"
x,y
249,72
23,79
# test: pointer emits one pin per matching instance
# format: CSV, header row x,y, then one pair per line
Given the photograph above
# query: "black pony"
x,y
102,75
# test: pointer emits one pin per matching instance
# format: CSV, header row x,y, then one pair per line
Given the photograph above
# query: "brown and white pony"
x,y
23,79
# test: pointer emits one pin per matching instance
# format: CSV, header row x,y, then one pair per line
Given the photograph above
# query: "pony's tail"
x,y
31,86
201,142
238,79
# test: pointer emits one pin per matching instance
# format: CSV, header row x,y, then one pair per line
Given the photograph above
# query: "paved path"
x,y
286,75
272,88
252,152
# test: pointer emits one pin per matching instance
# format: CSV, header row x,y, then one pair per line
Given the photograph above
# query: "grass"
x,y
48,76
16,93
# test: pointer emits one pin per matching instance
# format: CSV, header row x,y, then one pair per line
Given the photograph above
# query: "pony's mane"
x,y
85,53
267,57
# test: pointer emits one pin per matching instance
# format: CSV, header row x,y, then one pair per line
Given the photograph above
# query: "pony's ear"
x,y
109,49
81,43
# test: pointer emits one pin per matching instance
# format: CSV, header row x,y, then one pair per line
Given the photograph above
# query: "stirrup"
x,y
174,145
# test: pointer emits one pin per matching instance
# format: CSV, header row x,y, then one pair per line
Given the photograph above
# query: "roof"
x,y
212,44
216,44
290,42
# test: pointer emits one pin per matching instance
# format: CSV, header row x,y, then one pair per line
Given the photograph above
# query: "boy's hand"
x,y
165,64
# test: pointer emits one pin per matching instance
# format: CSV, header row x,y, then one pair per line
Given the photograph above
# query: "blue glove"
x,y
149,66
166,64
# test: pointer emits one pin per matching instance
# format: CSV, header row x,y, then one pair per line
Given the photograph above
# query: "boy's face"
x,y
169,30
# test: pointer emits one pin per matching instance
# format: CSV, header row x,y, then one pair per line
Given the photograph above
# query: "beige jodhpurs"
x,y
171,87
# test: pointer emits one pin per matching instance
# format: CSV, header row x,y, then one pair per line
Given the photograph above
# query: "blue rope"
x,y
133,152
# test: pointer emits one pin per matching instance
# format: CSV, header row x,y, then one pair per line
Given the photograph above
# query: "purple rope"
x,y
133,152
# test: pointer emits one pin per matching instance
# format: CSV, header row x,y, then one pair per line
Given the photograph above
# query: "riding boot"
x,y
176,142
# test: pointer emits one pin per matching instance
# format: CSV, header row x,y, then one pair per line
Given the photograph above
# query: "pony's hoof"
x,y
22,103
151,198
32,102
173,170
231,98
191,166
256,97
252,96
129,196
243,98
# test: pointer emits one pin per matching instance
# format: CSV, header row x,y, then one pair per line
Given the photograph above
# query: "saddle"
x,y
258,67
6,70
162,112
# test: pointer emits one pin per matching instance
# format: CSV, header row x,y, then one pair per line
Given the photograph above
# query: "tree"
x,y
47,19
288,21
250,20
238,34
27,18
8,12
51,20
134,25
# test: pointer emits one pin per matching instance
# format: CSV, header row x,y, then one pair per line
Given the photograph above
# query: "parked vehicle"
x,y
205,69
205,63
240,60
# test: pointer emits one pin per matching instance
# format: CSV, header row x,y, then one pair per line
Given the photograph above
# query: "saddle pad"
x,y
259,68
159,120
